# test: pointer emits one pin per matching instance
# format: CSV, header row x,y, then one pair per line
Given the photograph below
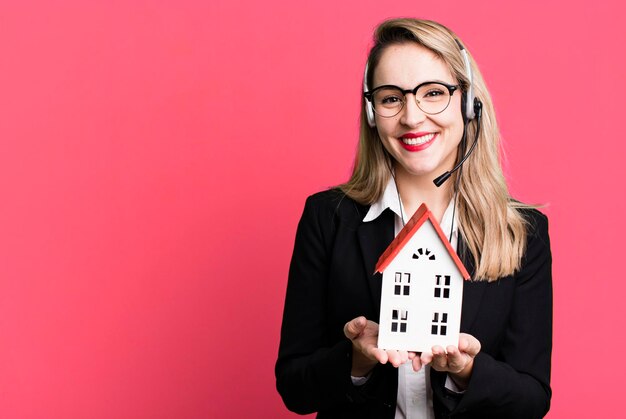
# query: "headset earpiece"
x,y
478,108
468,102
369,108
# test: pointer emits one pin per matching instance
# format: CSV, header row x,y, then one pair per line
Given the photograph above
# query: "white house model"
x,y
422,289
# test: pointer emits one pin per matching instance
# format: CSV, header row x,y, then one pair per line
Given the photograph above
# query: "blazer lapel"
x,y
374,237
472,290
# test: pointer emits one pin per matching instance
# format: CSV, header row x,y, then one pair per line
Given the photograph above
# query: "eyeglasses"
x,y
432,97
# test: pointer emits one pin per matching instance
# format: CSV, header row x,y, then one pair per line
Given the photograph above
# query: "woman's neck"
x,y
415,190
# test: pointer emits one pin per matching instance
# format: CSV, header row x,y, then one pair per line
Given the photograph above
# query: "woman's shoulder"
x,y
535,220
334,199
334,203
535,216
331,196
538,238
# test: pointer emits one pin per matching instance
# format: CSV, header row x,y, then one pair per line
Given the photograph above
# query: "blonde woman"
x,y
426,112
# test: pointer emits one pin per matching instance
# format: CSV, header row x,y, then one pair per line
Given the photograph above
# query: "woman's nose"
x,y
412,115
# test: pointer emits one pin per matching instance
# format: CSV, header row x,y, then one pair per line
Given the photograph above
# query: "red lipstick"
x,y
421,145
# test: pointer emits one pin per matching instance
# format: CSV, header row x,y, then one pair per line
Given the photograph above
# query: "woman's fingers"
x,y
469,344
380,355
354,327
417,364
440,360
456,360
452,359
394,357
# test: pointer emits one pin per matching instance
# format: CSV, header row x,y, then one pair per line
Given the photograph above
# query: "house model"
x,y
422,289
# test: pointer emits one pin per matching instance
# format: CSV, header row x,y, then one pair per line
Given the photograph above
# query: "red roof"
x,y
421,215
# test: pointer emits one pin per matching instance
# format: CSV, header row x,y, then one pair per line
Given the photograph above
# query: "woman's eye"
x,y
391,100
434,93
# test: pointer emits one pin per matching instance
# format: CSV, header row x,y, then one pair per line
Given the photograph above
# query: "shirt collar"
x,y
390,199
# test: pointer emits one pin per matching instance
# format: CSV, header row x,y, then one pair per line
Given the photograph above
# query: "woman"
x,y
419,121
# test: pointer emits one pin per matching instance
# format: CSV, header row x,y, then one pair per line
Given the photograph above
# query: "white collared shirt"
x,y
415,398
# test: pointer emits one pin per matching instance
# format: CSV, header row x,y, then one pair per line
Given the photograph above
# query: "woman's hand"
x,y
457,362
365,355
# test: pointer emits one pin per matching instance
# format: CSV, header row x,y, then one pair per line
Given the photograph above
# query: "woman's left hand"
x,y
457,362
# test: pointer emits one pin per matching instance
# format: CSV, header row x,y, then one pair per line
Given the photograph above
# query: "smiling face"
x,y
422,145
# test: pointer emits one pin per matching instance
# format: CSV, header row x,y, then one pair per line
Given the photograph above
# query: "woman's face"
x,y
422,145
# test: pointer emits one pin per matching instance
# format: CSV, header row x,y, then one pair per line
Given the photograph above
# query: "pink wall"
x,y
154,161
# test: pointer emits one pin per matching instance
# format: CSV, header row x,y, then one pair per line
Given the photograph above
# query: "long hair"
x,y
490,222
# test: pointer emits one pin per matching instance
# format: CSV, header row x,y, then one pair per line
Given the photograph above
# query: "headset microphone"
x,y
472,109
478,111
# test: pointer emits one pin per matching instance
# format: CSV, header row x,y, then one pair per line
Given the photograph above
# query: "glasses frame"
x,y
451,89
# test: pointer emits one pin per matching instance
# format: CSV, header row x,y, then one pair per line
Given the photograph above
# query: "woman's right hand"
x,y
365,355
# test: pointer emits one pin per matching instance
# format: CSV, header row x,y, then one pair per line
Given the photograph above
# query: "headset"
x,y
471,107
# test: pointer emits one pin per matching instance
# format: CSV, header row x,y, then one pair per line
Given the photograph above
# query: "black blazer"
x,y
331,281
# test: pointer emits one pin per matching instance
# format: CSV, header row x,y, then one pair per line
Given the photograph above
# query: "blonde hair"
x,y
490,222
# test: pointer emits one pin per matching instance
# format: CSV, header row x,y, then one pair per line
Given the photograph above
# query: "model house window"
x,y
423,254
442,286
402,284
399,320
439,324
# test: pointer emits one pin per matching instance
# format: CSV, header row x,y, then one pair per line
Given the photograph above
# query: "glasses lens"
x,y
388,101
432,98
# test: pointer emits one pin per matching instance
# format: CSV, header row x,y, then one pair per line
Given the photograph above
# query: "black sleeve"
x,y
515,381
311,374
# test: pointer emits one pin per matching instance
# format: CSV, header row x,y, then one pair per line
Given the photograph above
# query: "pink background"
x,y
154,161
